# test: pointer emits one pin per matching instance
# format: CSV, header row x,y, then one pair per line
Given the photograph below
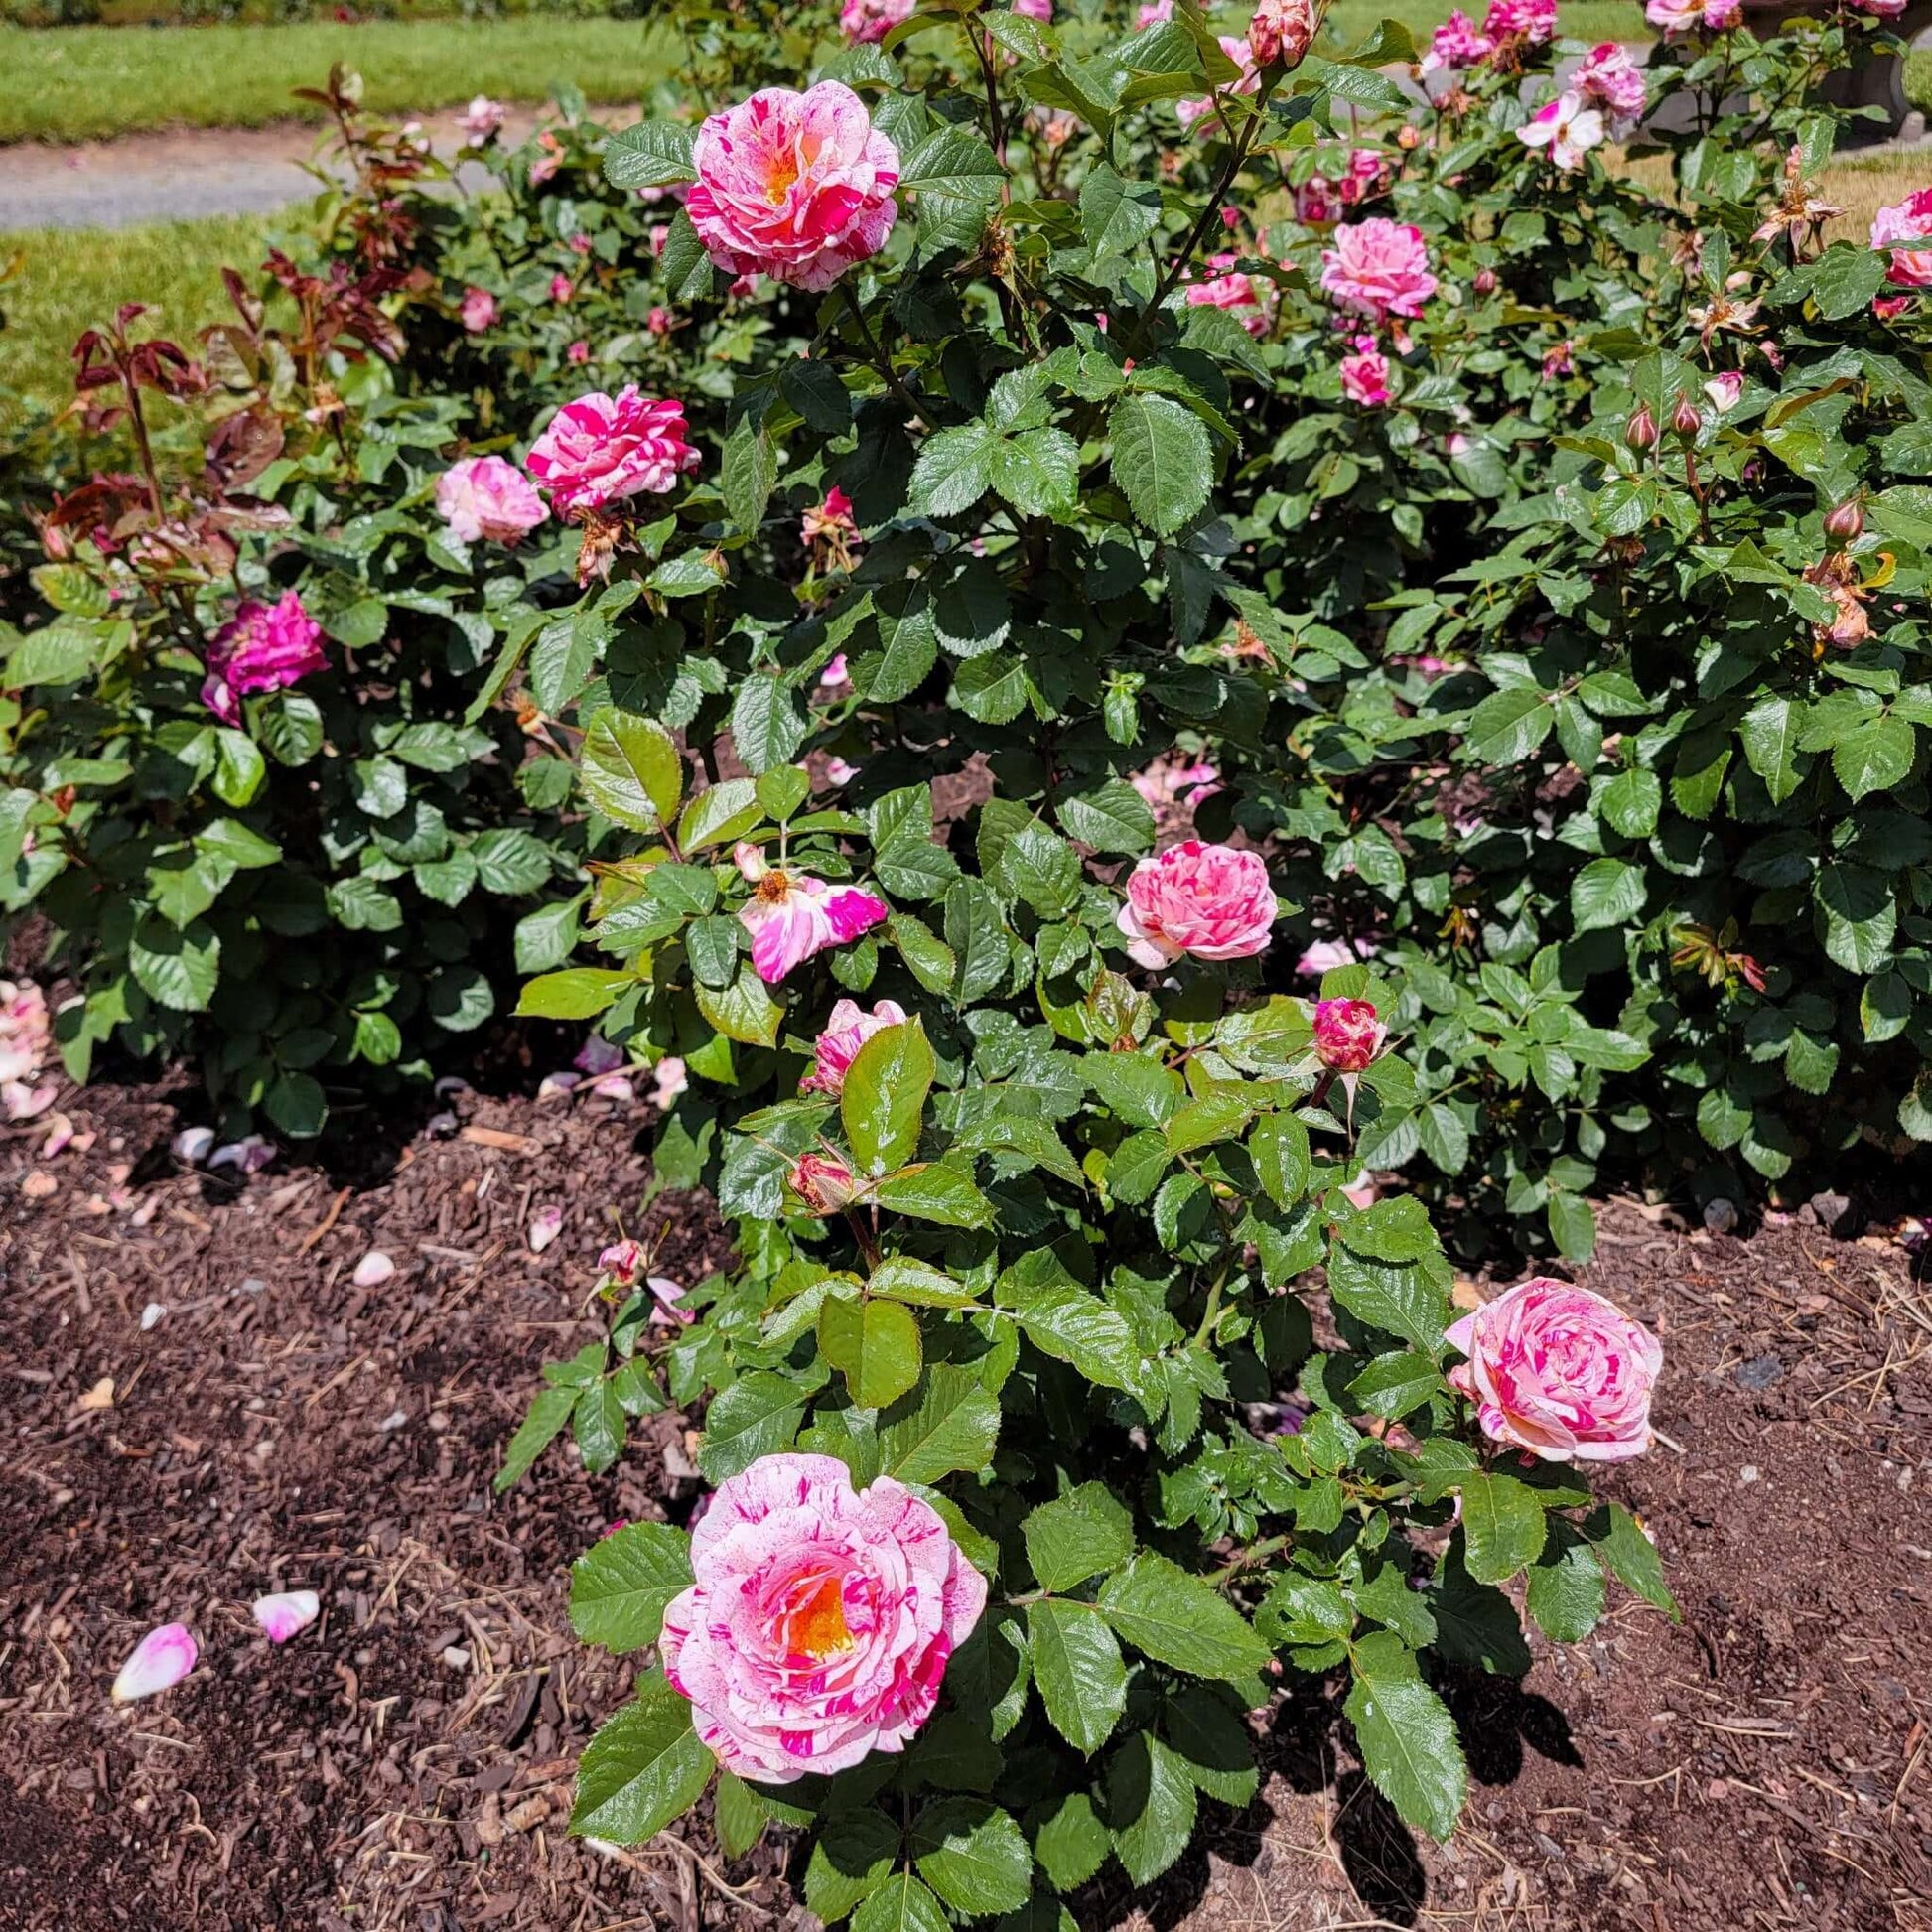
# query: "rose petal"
x,y
193,1144
545,1226
373,1270
160,1660
284,1616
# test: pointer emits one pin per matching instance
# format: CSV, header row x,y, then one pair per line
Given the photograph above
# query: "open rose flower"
x,y
477,310
796,187
1282,30
1378,268
1610,78
1560,1372
1533,22
1672,18
483,118
1724,389
848,1029
1365,374
1347,1035
483,498
1907,220
1566,127
1207,902
1456,45
821,1621
601,447
1228,288
872,20
262,648
791,915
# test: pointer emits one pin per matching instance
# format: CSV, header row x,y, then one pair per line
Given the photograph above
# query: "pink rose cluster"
x,y
1349,1034
1672,18
1282,30
860,21
601,447
1458,43
848,1029
1610,78
262,648
796,187
791,915
1378,268
1365,374
1199,901
1533,22
1909,220
1560,1372
483,498
821,1621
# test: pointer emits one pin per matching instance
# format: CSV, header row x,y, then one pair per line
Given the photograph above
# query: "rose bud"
x,y
1640,431
1347,1035
1846,524
823,1185
1485,282
1683,419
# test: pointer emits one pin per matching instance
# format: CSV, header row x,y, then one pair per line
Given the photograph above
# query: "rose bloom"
x,y
1208,902
1530,21
601,447
1365,374
1567,128
1724,390
1242,55
1889,308
1885,9
1560,1372
26,1038
1671,17
791,915
262,648
483,118
821,1620
658,321
1559,361
1367,171
1041,10
848,1029
1153,14
797,187
477,310
1378,268
873,19
549,161
1316,205
1907,220
831,518
1611,78
483,498
560,288
1281,31
1456,43
1347,1035
1325,955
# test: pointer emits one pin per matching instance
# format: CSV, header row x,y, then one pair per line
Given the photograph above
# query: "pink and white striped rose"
x,y
793,914
483,498
848,1029
600,448
1205,902
1349,1034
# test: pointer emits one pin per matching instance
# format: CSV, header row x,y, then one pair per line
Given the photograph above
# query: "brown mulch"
x,y
406,1762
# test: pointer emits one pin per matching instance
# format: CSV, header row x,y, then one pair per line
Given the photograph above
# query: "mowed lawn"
x,y
87,83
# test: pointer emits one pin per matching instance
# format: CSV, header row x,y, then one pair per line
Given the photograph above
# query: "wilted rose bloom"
x,y
1281,31
1368,170
824,1186
1531,21
1724,389
1347,1035
1566,127
560,288
1165,781
1558,1371
1242,55
821,1621
285,1615
1610,77
26,1038
669,1080
579,353
831,519
835,673
160,1660
797,187
873,19
1888,307
1456,45
1365,374
658,321
483,118
1209,902
601,447
791,915
1907,220
548,161
1560,360
839,773
477,310
483,498
262,648
1378,268
848,1029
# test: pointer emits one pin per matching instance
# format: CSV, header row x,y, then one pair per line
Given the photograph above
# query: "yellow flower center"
x,y
818,1628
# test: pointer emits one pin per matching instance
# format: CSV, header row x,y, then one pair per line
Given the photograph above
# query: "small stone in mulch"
x,y
1760,1371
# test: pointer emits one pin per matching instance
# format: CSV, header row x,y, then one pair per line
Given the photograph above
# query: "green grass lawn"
x,y
83,83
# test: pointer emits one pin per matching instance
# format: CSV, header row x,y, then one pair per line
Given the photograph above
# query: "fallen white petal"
x,y
60,1132
545,1226
282,1617
194,1145
160,1660
373,1270
151,1315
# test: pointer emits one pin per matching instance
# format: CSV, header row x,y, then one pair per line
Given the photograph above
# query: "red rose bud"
x,y
1683,419
1347,1035
1640,432
1846,524
823,1185
1485,282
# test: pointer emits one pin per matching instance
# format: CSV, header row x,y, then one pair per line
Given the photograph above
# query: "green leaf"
x,y
1565,1592
176,968
973,1856
954,1427
900,1905
852,1857
1504,1523
954,163
1179,1620
579,993
1078,1668
1116,217
725,812
1038,472
1407,1736
1205,1730
1875,756
1507,725
643,1769
747,474
509,862
1071,1844
652,153
954,470
758,1414
906,1280
621,1585
1151,1804
1606,893
767,727
631,769
1161,459
874,1345
933,1190
1085,1533
1573,1221
1845,277
547,1417
744,1011
1770,730
1630,1556
884,1095
1401,1298
239,767
742,1817
1632,802
1112,818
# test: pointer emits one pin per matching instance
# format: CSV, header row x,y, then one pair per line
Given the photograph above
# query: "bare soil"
x,y
406,1762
